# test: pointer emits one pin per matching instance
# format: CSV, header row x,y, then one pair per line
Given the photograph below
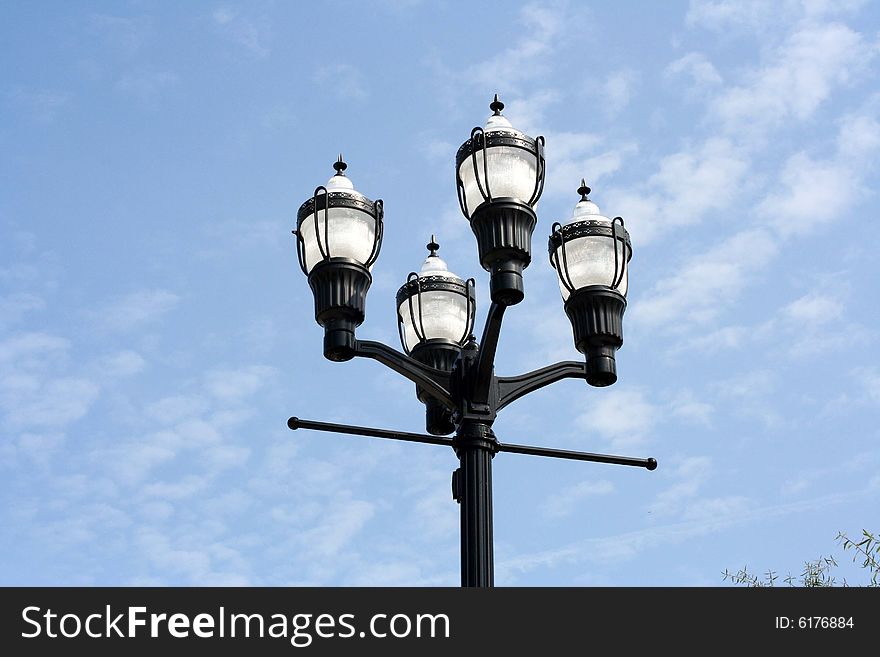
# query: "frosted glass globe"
x,y
511,171
590,259
350,232
444,314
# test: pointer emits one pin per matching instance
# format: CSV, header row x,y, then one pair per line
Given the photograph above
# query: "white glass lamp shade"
x,y
499,161
350,227
584,251
434,304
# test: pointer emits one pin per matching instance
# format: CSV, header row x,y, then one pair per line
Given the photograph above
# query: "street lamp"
x,y
499,174
435,316
591,254
338,237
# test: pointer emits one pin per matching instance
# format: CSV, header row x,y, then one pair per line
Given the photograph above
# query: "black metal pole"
x,y
476,445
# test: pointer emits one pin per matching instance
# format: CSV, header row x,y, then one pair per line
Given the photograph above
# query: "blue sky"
x,y
156,332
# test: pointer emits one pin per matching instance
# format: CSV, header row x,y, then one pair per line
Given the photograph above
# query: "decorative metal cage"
x,y
411,292
562,235
323,201
476,149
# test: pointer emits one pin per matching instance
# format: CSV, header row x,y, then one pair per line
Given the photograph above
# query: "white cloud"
x,y
526,112
232,385
689,474
696,66
799,76
345,81
14,307
566,501
435,517
544,27
717,508
125,34
813,308
156,546
621,416
195,433
753,394
806,326
130,464
870,382
146,86
41,105
278,117
56,404
136,309
122,363
726,337
248,34
29,395
796,205
858,138
175,408
221,457
722,14
703,286
223,16
686,405
338,525
27,348
617,90
39,447
688,185
812,192
572,156
760,15
184,488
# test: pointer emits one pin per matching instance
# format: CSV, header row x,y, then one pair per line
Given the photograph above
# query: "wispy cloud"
x,y
698,68
618,90
146,87
624,547
703,286
41,105
623,417
689,474
121,364
565,502
124,34
544,27
56,403
236,384
761,15
173,409
687,187
795,80
249,34
345,81
34,393
337,526
792,207
26,347
14,307
136,309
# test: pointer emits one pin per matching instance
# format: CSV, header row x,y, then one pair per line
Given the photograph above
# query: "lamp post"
x,y
499,173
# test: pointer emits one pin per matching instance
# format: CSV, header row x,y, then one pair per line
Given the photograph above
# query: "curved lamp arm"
x,y
433,381
482,382
511,388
